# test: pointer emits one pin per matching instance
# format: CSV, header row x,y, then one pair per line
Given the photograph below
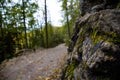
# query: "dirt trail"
x,y
35,66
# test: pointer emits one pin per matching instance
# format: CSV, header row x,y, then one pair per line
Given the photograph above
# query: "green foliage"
x,y
12,29
66,36
72,13
7,45
73,7
37,37
58,35
55,36
12,35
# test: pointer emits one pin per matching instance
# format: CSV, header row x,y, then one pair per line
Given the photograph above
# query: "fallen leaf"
x,y
18,79
39,62
31,61
40,69
20,72
39,77
48,78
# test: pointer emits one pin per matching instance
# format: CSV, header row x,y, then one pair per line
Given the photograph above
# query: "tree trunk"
x,y
46,27
24,23
1,30
67,21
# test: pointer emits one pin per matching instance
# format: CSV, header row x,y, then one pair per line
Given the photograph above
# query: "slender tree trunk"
x,y
46,27
1,24
26,43
1,20
68,21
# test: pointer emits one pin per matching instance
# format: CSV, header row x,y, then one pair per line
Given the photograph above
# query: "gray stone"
x,y
87,6
96,50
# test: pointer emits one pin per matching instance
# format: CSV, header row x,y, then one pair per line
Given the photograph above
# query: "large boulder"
x,y
87,6
94,53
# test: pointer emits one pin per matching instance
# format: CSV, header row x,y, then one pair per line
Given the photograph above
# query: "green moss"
x,y
109,37
118,6
82,33
84,66
95,36
113,37
70,71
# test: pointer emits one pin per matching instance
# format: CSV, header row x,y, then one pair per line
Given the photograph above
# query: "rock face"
x,y
87,6
94,53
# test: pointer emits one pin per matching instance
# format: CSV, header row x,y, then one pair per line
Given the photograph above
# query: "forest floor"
x,y
43,64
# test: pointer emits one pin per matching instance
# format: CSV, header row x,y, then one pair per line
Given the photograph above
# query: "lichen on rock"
x,y
96,43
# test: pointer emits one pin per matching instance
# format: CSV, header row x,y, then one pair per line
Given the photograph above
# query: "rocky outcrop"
x,y
87,6
94,53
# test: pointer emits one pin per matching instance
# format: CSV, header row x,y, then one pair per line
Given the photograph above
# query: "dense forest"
x,y
21,29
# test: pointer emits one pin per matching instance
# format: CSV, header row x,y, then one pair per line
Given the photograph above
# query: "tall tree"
x,y
67,18
23,2
1,31
46,26
72,12
12,16
1,19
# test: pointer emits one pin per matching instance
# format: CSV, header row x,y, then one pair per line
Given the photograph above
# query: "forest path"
x,y
41,65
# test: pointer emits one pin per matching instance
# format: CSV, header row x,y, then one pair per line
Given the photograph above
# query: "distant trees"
x,y
1,34
24,22
37,36
20,29
12,16
71,9
67,19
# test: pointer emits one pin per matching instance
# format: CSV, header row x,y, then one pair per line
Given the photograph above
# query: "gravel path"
x,y
35,66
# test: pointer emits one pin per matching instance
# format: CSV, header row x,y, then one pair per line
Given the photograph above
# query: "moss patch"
x,y
82,33
97,36
113,37
70,71
118,6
